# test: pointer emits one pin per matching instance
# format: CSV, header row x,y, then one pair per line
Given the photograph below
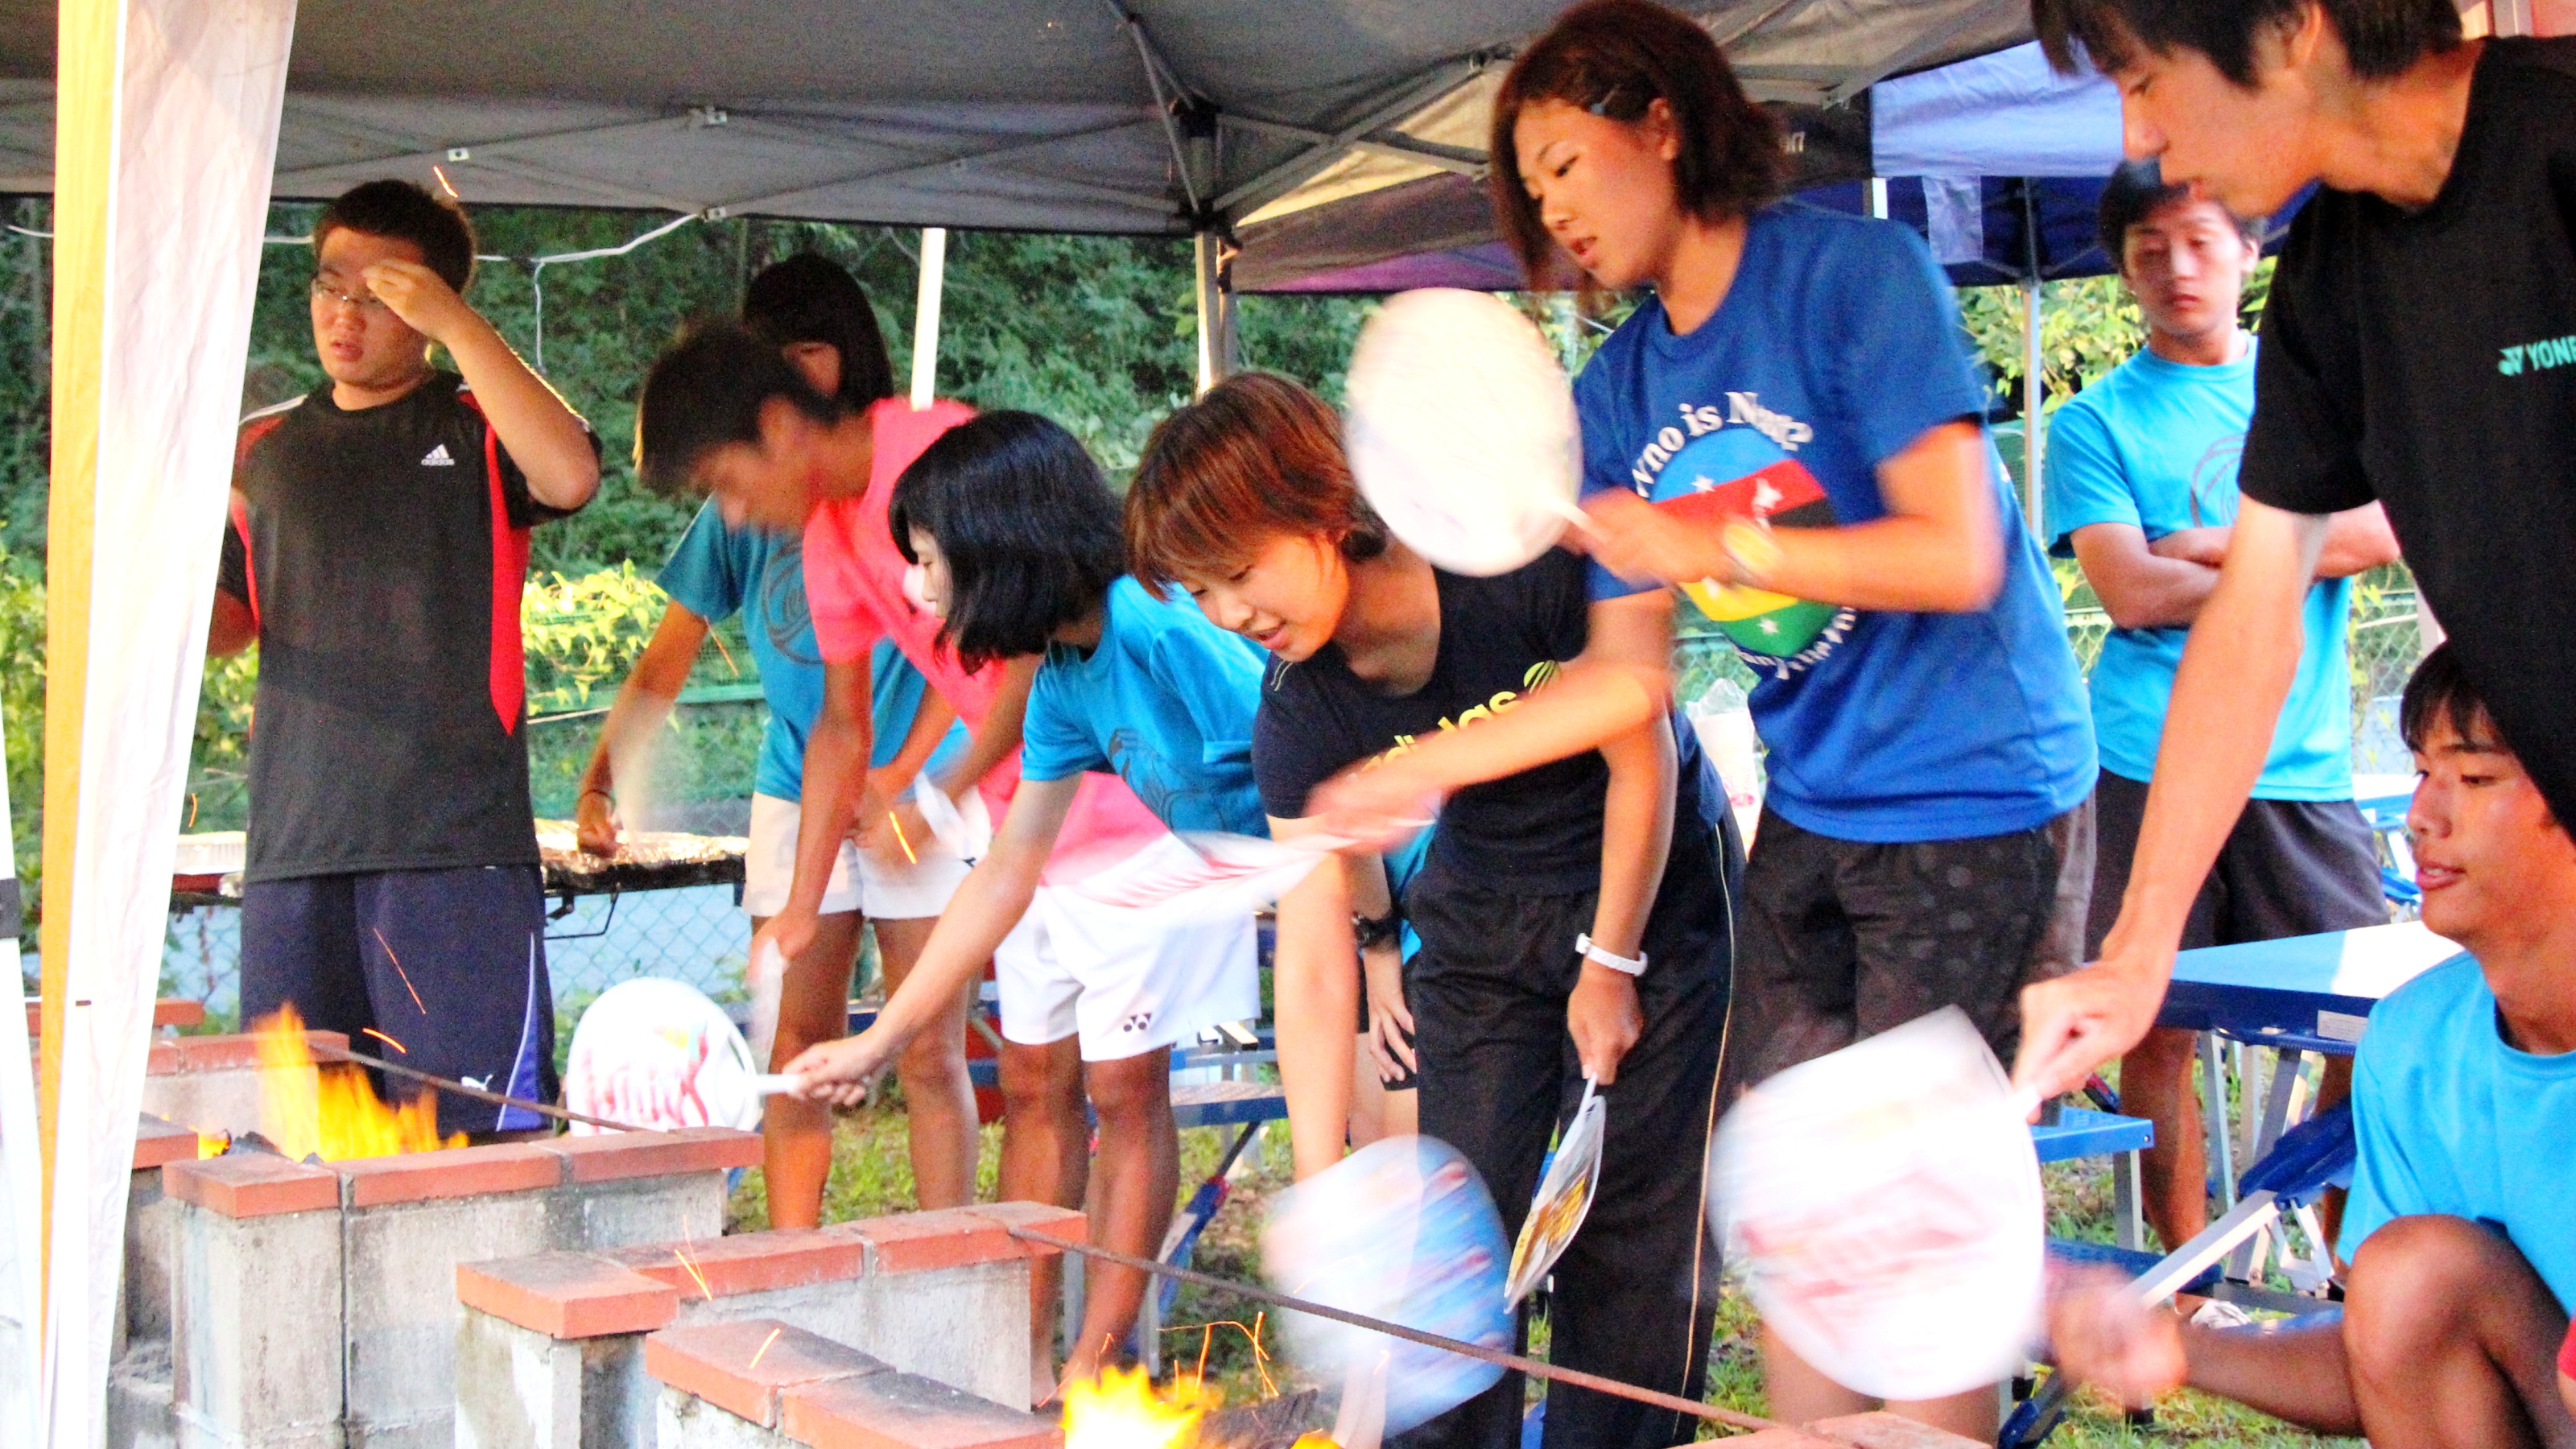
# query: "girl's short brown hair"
x,y
1256,457
1615,58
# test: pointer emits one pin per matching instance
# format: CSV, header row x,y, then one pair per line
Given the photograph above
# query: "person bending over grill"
x,y
824,324
1017,539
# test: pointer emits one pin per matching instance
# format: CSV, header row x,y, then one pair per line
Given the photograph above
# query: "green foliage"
x,y
2087,326
583,634
26,361
22,709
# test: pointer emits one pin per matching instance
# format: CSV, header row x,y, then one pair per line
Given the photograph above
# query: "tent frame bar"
x,y
1157,68
1463,160
1406,98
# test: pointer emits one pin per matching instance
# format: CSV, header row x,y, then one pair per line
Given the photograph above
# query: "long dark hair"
x,y
808,298
1615,58
1028,527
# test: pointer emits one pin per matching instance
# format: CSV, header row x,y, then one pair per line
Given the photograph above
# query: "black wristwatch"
x,y
1367,931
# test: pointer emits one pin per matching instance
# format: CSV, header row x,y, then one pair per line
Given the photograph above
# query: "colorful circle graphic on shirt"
x,y
1738,473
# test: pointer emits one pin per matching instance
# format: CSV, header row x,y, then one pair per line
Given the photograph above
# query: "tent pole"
x,y
2034,424
925,314
2033,429
1216,310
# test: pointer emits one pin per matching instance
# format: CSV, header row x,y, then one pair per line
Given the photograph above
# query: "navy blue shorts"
x,y
443,970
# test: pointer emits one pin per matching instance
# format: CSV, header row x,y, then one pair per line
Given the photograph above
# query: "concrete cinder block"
x,y
685,1421
400,1320
250,1370
151,1225
617,1395
687,1207
139,1410
966,1327
515,1388
520,1388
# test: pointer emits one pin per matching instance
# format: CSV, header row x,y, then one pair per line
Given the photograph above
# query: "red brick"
x,y
611,1156
1885,1431
1053,1221
168,1011
947,1238
566,1295
449,1173
741,1367
903,1411
252,1185
241,1049
157,1142
749,1262
163,1060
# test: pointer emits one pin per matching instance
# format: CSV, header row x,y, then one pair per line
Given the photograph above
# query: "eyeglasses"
x,y
366,303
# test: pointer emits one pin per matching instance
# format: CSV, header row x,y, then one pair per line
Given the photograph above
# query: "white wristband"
x,y
1601,956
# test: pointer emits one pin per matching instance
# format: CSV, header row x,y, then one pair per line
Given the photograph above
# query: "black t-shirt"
x,y
382,552
1500,638
2427,359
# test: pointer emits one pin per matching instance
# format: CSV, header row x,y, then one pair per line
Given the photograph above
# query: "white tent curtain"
x,y
21,1299
197,86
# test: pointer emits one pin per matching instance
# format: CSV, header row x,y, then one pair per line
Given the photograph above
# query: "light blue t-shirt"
x,y
1838,345
2451,1120
1165,701
716,571
2154,445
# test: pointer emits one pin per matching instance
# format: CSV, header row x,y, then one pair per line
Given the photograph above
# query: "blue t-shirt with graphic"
x,y
717,570
1838,345
2452,1120
1165,701
2154,445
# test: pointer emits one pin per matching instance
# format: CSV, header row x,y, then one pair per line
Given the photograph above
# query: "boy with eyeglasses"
x,y
377,547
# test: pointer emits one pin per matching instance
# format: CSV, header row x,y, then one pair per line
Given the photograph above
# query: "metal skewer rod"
x,y
1530,1366
457,1088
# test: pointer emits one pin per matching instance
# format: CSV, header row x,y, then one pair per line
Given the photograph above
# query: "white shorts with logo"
x,y
903,892
1119,979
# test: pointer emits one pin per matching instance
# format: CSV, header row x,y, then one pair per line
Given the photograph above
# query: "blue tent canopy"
x,y
1998,161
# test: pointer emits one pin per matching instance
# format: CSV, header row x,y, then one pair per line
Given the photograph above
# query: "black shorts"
x,y
443,970
1499,1074
2289,868
1843,939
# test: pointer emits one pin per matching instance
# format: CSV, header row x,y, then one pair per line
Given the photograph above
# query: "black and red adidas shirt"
x,y
382,552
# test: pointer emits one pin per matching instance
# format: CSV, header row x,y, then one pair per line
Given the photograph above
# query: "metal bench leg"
x,y
2262,1129
2128,1225
2213,1107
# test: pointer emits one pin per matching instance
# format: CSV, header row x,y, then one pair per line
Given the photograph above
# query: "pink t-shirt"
x,y
854,586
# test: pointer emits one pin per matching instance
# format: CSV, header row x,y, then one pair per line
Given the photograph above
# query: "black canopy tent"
x,y
1163,118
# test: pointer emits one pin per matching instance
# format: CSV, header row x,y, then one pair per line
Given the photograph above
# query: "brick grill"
x,y
282,1305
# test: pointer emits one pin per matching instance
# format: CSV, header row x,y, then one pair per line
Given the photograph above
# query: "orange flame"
x,y
1121,1410
305,1108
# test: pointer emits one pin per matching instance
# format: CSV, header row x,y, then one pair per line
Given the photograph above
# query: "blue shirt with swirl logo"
x,y
1838,346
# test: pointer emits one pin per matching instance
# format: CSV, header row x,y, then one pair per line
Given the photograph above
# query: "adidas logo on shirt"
x,y
437,458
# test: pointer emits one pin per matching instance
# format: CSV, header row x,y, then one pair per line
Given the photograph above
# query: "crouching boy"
x,y
2462,1245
